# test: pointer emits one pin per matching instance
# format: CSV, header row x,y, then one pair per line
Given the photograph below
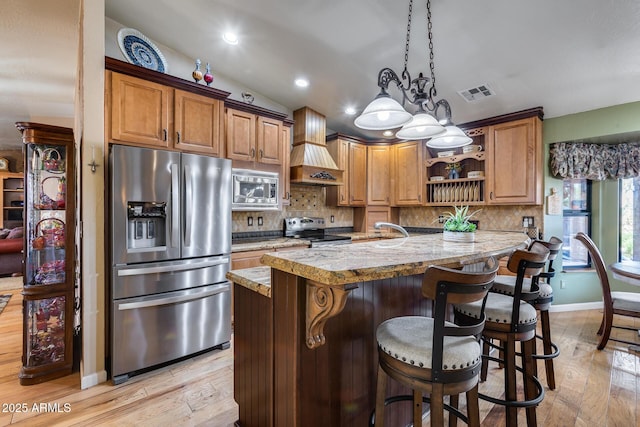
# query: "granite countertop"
x,y
266,243
342,264
257,279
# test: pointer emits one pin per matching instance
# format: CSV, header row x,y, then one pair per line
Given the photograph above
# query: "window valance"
x,y
595,161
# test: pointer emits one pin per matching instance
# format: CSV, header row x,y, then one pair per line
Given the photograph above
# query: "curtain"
x,y
595,161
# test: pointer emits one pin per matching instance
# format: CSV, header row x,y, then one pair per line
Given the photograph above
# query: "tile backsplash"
x,y
306,200
311,201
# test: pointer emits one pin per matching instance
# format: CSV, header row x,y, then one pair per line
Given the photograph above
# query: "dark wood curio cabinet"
x,y
49,246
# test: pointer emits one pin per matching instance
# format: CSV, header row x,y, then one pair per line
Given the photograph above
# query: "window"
x,y
576,212
629,219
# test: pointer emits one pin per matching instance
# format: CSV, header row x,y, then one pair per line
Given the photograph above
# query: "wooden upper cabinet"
x,y
199,123
241,131
269,141
378,175
407,173
357,174
339,149
140,111
351,157
514,155
253,138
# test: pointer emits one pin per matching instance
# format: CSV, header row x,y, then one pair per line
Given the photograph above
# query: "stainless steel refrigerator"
x,y
170,247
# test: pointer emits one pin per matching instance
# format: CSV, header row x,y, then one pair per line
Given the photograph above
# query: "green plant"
x,y
459,220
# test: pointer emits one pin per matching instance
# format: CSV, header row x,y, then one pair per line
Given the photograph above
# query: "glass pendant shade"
x,y
421,126
382,113
454,137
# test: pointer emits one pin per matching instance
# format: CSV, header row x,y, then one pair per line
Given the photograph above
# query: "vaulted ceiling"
x,y
567,56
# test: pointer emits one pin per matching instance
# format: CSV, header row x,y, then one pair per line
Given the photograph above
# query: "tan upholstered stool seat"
x,y
499,309
410,338
506,285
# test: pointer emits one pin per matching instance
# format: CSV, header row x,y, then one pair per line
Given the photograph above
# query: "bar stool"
x,y
506,285
511,320
432,355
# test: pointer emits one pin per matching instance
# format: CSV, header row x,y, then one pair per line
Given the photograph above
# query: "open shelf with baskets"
x,y
49,285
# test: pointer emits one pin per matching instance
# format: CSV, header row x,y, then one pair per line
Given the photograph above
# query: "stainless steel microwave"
x,y
254,190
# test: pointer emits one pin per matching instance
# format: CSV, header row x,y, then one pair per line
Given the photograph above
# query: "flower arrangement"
x,y
453,166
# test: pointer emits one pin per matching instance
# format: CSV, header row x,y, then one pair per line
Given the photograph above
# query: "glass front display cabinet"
x,y
49,286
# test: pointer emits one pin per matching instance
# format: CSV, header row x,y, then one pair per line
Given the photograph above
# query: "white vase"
x,y
458,236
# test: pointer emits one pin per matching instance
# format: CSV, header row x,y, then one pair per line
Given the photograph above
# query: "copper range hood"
x,y
311,163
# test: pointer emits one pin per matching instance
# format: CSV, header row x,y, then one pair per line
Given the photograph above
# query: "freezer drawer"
x,y
130,281
150,330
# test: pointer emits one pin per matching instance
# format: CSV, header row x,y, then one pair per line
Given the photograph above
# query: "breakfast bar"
x,y
304,338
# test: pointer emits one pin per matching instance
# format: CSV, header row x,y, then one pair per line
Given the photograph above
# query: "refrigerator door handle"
x,y
188,186
171,268
175,299
175,205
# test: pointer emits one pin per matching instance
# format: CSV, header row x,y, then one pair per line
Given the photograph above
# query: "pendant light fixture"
x,y
432,118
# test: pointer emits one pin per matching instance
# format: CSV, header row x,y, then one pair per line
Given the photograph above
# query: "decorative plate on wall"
x,y
139,50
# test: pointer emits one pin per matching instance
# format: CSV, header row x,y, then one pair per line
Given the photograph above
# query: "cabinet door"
x,y
269,141
338,195
513,175
407,174
285,176
247,259
378,187
140,111
241,135
357,174
198,123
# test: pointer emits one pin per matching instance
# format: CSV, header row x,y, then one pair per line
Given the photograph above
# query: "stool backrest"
x,y
448,286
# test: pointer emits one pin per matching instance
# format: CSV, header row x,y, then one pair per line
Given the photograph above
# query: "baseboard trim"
x,y
93,379
597,305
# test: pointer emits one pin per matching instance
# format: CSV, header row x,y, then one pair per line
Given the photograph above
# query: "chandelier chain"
x,y
431,64
406,46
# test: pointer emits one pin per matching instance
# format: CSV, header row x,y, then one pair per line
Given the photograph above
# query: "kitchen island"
x,y
305,352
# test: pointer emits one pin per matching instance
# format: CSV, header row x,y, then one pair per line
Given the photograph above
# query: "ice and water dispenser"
x,y
146,226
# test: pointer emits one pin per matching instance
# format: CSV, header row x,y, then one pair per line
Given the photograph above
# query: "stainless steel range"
x,y
312,229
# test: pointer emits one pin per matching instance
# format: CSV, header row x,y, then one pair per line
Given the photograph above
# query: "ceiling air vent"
x,y
477,93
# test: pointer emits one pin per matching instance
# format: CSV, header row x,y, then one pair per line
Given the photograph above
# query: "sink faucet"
x,y
379,225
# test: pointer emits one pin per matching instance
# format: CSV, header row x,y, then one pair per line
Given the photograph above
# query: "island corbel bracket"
x,y
323,302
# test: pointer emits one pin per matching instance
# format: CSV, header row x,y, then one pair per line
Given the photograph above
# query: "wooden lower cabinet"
x,y
247,259
365,218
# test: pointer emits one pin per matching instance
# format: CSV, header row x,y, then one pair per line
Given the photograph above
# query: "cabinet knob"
x,y
491,195
164,134
178,134
287,195
253,152
260,153
419,197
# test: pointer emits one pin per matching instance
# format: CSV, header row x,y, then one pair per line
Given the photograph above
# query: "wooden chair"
x,y
505,284
432,355
512,319
621,303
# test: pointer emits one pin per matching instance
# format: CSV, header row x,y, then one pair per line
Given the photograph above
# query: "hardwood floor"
x,y
594,388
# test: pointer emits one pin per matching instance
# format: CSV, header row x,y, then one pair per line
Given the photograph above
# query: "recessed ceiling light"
x,y
350,111
302,82
231,38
